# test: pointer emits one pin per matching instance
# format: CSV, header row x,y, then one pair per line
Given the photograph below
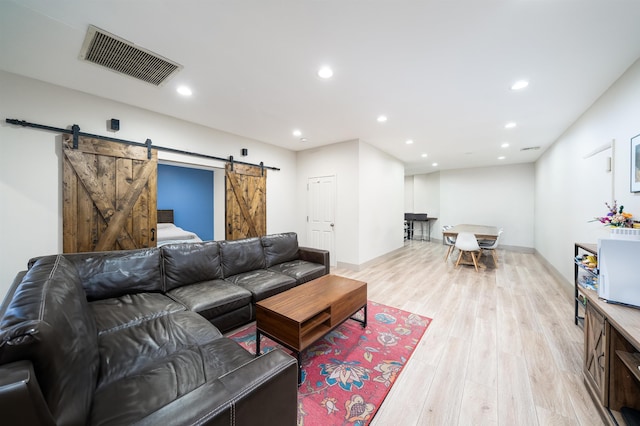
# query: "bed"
x,y
169,233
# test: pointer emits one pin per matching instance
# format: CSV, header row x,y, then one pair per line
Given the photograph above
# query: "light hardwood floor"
x,y
502,348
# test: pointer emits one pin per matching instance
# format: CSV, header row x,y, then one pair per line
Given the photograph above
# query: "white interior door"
x,y
321,193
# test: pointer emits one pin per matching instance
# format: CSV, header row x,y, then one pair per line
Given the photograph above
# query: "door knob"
x,y
332,225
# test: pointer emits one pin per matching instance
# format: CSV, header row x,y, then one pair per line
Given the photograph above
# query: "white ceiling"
x,y
439,70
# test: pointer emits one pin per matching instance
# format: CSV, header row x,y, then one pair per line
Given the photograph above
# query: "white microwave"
x,y
619,271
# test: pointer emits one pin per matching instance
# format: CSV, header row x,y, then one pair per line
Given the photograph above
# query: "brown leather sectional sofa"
x,y
135,337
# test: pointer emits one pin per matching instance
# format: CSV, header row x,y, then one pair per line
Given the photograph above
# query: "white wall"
x,y
499,196
381,198
571,190
30,162
369,198
426,199
339,160
408,194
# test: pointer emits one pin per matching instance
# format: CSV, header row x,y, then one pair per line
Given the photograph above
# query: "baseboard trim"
x,y
553,271
374,261
519,249
384,257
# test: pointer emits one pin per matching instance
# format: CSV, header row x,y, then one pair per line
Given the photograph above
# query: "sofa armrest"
x,y
260,392
315,255
21,401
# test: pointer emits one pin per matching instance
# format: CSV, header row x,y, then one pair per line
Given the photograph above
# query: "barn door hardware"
x,y
148,143
75,131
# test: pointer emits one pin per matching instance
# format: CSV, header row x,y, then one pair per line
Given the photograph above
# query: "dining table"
x,y
482,232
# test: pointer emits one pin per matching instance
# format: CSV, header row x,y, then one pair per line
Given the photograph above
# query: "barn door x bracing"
x,y
109,195
246,205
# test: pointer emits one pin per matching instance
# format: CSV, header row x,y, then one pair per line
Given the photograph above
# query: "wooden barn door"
x,y
246,201
109,196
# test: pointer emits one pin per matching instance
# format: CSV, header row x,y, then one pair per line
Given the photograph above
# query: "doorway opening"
x,y
196,194
321,207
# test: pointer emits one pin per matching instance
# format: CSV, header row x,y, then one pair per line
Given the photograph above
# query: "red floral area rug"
x,y
347,374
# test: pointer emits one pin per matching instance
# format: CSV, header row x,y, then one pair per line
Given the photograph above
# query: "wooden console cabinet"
x,y
612,357
595,353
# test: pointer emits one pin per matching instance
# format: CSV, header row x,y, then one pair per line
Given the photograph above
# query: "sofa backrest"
x,y
279,248
190,263
241,256
46,319
115,273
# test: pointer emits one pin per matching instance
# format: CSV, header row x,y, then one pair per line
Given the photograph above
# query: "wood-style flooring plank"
x,y
502,348
407,411
444,399
515,400
479,405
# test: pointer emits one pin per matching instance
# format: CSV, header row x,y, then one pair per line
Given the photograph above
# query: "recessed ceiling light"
x,y
382,118
409,142
520,84
297,133
303,139
325,72
502,157
505,145
424,155
184,91
434,164
510,125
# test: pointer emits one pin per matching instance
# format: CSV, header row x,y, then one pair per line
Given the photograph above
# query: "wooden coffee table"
x,y
304,314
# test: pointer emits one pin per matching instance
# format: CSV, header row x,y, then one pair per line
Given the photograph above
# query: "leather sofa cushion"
x,y
241,256
261,392
280,248
115,273
130,309
212,298
263,283
48,323
301,270
159,361
190,263
127,351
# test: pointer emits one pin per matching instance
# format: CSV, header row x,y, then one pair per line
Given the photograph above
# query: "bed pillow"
x,y
174,233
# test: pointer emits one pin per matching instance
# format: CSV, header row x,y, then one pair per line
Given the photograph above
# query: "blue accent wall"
x,y
189,192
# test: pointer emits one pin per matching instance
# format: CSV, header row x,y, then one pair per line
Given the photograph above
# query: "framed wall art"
x,y
635,163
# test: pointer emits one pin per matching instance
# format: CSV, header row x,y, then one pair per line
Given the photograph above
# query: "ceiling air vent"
x,y
530,148
124,57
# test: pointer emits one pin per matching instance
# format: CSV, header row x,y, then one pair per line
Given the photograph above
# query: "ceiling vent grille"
x,y
124,57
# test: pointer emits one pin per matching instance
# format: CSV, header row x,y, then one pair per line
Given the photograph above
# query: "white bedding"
x,y
169,233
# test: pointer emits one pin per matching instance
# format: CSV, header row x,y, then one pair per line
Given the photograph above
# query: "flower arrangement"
x,y
616,217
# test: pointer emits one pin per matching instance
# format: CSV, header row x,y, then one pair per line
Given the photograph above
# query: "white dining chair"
x,y
466,242
449,241
492,246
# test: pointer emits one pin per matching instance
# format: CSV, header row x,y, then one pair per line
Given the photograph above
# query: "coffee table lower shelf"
x,y
315,330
